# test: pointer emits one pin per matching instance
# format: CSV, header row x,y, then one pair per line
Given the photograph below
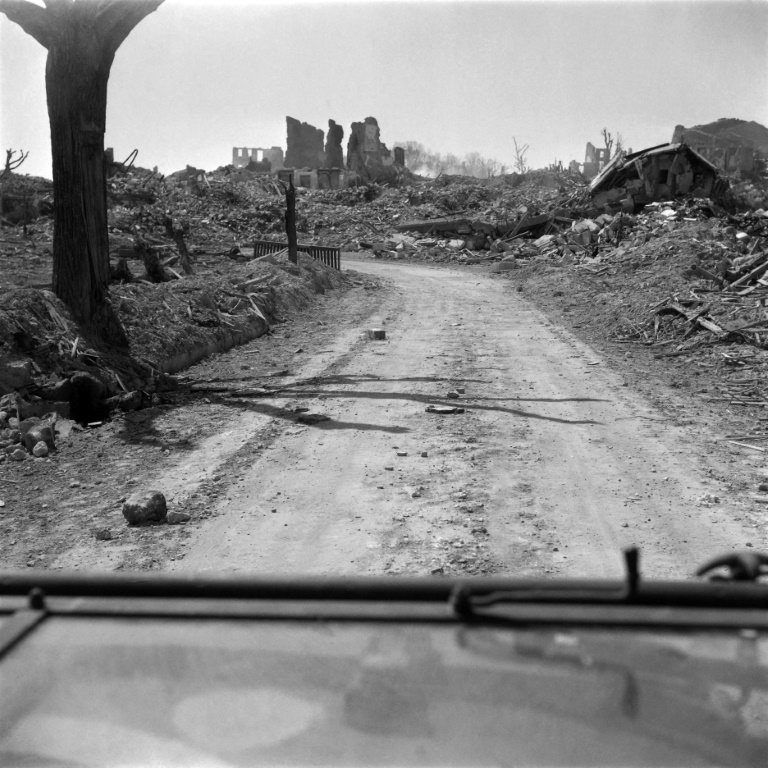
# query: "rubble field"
x,y
674,294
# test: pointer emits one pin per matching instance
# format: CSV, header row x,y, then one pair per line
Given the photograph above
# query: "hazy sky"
x,y
198,77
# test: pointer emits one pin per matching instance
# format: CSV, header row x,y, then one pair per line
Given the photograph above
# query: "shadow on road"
x,y
288,415
296,390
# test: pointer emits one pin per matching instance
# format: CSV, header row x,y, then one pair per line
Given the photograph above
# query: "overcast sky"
x,y
198,77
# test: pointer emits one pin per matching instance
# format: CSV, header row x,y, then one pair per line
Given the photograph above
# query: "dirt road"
x,y
553,467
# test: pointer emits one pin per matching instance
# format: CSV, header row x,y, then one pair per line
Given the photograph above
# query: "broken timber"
x,y
692,316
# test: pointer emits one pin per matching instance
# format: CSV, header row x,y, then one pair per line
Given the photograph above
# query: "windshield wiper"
x,y
719,592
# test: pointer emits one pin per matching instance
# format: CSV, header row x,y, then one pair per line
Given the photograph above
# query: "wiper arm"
x,y
463,602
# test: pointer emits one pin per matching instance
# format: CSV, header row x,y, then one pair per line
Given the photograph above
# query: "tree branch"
x,y
33,19
115,19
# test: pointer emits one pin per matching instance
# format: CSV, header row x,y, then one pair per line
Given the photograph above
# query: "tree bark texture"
x,y
82,37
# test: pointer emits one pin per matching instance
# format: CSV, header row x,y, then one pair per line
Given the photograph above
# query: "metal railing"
x,y
328,255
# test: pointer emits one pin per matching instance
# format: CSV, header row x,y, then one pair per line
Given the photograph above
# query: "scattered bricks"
x,y
40,450
59,391
40,408
377,334
39,433
145,508
15,375
26,424
443,409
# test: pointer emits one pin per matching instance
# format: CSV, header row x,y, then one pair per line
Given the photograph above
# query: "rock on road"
x,y
552,469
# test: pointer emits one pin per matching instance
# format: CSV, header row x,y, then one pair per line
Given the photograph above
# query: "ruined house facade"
x,y
728,152
316,160
313,165
595,159
304,148
260,156
366,154
729,143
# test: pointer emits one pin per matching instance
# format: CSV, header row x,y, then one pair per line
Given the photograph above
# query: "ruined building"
x,y
366,154
659,173
334,154
595,160
310,164
242,156
304,145
728,143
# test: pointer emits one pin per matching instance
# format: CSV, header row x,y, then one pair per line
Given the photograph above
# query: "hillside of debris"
x,y
683,275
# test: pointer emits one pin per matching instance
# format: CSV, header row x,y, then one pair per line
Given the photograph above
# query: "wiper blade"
x,y
722,593
464,602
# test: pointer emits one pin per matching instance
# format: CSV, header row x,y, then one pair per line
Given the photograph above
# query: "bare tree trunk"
x,y
290,222
76,82
82,37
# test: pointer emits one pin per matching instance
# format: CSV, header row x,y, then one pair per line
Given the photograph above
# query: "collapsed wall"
x,y
334,154
304,145
366,154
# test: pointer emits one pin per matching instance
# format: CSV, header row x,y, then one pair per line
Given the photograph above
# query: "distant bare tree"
x,y
521,166
452,164
11,162
415,154
472,164
475,164
493,167
608,139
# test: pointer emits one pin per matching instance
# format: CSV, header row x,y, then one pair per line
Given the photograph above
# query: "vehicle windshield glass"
x,y
176,693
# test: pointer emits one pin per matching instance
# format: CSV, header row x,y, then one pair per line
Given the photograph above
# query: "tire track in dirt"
x,y
553,468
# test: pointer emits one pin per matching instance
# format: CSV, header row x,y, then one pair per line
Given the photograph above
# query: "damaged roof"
x,y
621,162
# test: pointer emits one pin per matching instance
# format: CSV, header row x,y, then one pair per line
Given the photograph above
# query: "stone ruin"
x,y
305,145
366,154
334,154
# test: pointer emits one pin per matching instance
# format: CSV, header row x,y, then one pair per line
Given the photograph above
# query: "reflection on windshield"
x,y
226,694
